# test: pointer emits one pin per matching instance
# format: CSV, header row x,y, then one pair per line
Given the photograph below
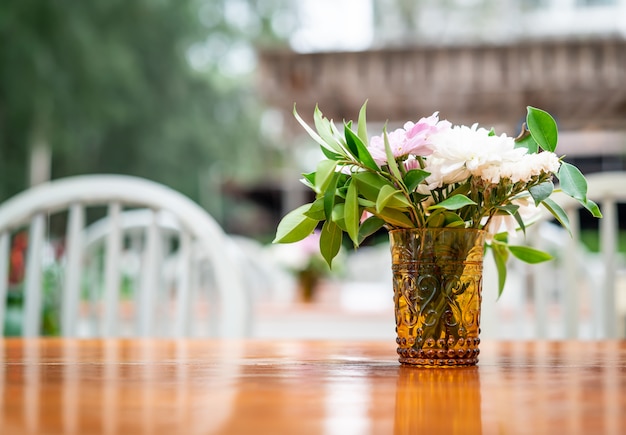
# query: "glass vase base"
x,y
441,353
436,362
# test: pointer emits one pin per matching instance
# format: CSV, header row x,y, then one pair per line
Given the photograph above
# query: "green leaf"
x,y
529,143
342,191
386,192
453,203
396,218
414,177
502,237
572,182
362,127
332,155
317,210
330,241
558,213
520,221
452,220
508,208
295,226
388,196
369,227
391,161
593,208
352,214
339,216
436,219
325,130
541,191
456,224
529,255
309,180
350,145
513,210
366,203
500,257
324,174
542,127
335,130
370,184
316,137
461,190
362,153
525,140
329,194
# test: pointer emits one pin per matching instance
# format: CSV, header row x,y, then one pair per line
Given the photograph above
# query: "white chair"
x,y
203,260
367,282
575,295
267,280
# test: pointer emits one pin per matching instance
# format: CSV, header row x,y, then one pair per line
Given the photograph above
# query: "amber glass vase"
x,y
437,282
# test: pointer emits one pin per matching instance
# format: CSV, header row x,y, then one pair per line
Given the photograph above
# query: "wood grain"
x,y
127,386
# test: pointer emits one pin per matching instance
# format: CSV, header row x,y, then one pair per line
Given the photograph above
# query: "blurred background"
x,y
198,94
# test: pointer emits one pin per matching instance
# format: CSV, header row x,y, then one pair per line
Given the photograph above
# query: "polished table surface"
x,y
126,386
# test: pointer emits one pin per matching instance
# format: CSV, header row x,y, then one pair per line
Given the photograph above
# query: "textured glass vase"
x,y
437,282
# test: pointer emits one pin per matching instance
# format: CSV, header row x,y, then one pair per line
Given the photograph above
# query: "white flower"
x,y
522,169
532,165
463,151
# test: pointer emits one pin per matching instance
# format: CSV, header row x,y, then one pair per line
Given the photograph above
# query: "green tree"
x,y
109,86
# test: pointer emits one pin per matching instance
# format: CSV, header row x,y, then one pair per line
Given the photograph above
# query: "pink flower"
x,y
310,244
418,135
411,164
397,141
412,139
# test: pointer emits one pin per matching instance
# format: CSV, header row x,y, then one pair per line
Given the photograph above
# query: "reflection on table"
x,y
287,387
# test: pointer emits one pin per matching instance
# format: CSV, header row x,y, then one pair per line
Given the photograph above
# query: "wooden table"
x,y
50,386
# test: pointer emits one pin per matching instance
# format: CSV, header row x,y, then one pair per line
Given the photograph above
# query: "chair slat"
x,y
112,272
4,274
195,272
183,312
608,246
540,294
74,255
148,285
31,324
571,295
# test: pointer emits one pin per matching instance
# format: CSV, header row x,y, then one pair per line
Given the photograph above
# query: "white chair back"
x,y
201,246
579,294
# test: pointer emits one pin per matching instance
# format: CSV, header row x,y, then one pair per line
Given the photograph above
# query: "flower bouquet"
x,y
433,175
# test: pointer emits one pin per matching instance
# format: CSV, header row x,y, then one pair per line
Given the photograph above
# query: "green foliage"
x,y
542,128
361,195
528,254
454,202
50,311
107,84
500,255
295,226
